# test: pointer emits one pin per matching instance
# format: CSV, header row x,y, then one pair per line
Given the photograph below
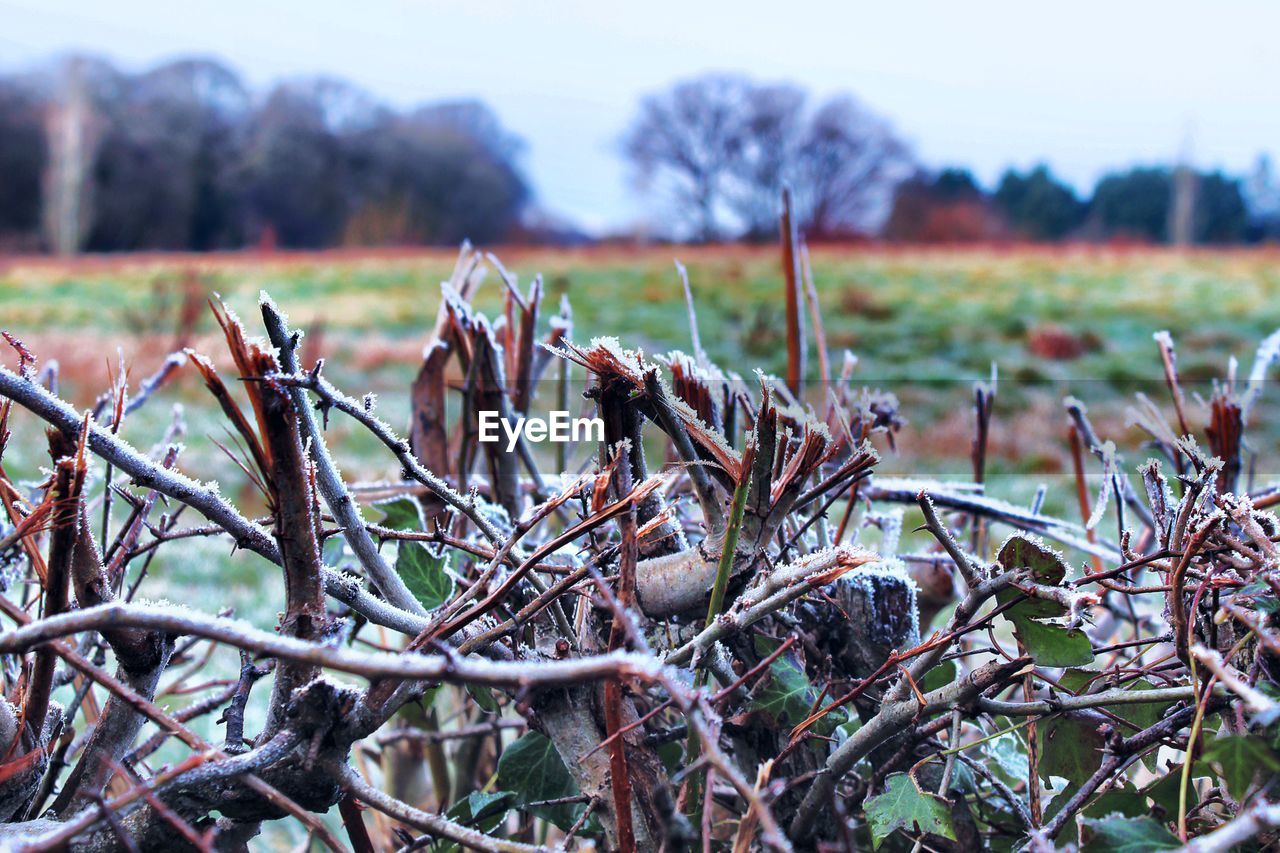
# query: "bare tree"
x,y
847,166
766,159
724,146
163,172
683,145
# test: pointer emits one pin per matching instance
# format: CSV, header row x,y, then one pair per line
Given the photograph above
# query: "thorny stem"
x,y
329,480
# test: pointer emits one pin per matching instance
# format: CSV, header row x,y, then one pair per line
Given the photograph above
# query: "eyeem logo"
x,y
560,427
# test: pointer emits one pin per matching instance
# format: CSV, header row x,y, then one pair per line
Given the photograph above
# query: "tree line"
x,y
712,153
187,156
1144,204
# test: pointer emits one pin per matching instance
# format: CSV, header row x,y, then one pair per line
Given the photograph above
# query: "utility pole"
x,y
1182,211
70,131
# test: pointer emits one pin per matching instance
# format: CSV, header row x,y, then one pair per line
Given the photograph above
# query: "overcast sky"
x,y
1086,85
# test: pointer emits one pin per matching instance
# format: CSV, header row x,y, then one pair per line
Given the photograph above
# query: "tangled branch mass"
x,y
717,631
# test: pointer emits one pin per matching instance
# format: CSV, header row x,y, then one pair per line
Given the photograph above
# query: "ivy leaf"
x,y
1053,645
1128,803
1048,644
424,574
786,694
400,514
1144,715
1007,757
1069,747
484,698
1020,551
1120,834
533,771
1163,792
904,806
938,677
1240,757
482,810
481,806
1026,553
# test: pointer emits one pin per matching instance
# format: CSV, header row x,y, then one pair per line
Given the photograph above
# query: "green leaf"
x,y
1260,596
481,805
1120,834
1164,791
1048,644
1037,608
1128,803
786,694
938,677
1240,757
904,806
1008,757
484,698
1053,645
1144,715
671,755
424,574
1069,747
1028,552
333,550
401,514
1079,680
533,770
482,810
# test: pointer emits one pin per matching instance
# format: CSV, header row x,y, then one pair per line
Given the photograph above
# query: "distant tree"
x,y
1134,204
956,184
1220,212
1037,205
164,171
1137,203
294,172
848,164
1262,201
182,156
718,149
438,175
947,207
22,160
683,144
78,90
764,156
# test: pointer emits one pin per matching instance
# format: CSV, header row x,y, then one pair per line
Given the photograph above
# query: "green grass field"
x,y
924,324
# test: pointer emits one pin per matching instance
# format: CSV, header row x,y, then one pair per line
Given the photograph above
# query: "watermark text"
x,y
558,426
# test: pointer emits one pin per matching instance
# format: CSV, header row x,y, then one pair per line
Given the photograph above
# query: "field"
x,y
923,324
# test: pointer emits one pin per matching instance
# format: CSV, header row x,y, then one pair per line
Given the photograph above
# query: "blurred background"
x,y
199,126
995,183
